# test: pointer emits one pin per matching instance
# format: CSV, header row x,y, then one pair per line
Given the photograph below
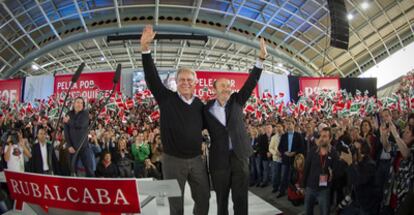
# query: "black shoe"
x,y
263,185
274,191
258,185
252,184
280,195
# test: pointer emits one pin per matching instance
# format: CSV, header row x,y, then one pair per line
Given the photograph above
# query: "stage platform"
x,y
257,206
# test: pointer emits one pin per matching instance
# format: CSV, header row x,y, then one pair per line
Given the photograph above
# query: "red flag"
x,y
29,108
249,109
280,110
348,104
147,93
120,103
259,115
155,115
129,104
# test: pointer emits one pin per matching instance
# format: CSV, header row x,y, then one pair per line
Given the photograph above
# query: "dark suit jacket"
x,y
36,161
235,127
297,146
263,146
77,129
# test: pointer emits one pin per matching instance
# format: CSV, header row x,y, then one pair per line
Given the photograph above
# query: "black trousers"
x,y
236,178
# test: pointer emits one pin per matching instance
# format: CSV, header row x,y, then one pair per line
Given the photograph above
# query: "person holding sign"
x,y
181,119
230,146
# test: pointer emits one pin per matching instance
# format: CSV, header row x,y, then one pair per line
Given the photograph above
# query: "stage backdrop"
x,y
274,84
11,90
206,79
310,84
38,87
88,85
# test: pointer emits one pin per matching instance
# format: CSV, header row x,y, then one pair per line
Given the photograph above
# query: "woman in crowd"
x,y
367,133
123,159
402,171
156,152
105,168
295,191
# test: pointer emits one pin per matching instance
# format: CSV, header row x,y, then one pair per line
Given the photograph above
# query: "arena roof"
x,y
38,37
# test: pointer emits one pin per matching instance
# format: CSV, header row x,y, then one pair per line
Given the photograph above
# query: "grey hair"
x,y
185,69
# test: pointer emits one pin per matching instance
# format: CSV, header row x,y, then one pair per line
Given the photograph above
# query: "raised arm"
x,y
152,78
251,82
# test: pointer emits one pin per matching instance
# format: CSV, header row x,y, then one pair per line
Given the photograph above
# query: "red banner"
x,y
88,85
82,194
206,80
309,85
11,90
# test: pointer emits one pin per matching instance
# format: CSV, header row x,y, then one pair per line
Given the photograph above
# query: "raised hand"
x,y
384,131
393,130
263,51
147,37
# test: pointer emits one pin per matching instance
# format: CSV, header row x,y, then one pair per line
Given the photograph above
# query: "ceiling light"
x,y
280,64
364,5
35,67
102,59
350,16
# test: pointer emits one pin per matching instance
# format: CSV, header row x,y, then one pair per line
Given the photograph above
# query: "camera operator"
x,y
16,151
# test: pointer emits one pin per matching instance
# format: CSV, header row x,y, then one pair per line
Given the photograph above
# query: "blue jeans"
x,y
276,168
286,172
262,165
322,196
252,170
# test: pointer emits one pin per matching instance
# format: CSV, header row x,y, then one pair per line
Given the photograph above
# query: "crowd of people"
x,y
363,164
346,165
118,149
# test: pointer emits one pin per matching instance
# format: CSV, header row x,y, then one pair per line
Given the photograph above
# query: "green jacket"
x,y
141,152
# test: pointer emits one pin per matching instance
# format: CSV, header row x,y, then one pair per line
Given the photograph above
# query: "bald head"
x,y
221,81
222,88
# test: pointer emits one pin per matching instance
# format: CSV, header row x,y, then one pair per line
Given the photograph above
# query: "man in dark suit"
x,y
264,157
41,152
291,144
230,146
107,144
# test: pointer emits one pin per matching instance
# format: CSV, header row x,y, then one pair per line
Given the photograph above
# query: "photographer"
x,y
362,171
16,151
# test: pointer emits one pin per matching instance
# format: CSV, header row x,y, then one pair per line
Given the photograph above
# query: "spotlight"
x,y
350,16
35,67
364,5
